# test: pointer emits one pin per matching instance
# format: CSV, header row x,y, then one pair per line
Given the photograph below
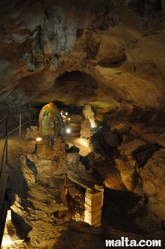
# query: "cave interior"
x,y
82,128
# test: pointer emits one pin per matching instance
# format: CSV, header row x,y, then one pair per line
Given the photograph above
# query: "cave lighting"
x,y
93,124
38,139
6,241
68,130
84,142
8,217
64,116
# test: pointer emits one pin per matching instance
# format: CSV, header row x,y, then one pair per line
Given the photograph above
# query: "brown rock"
x,y
152,175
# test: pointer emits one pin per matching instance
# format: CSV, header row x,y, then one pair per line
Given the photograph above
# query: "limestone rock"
x,y
110,137
32,133
128,173
83,145
128,149
73,158
158,138
50,121
89,114
152,175
113,180
28,174
86,130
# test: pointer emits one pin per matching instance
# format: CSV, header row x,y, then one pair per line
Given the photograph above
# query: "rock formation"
x,y
103,62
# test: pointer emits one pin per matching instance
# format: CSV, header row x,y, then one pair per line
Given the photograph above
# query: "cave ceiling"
x,y
107,53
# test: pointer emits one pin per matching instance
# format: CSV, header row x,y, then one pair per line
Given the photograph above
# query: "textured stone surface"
x,y
32,133
152,175
88,52
110,55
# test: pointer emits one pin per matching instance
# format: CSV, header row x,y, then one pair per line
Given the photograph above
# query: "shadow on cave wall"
x,y
117,205
16,186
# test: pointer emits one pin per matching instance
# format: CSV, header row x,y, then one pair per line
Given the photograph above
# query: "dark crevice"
x,y
112,62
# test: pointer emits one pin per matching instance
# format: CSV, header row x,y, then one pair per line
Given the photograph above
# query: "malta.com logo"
x,y
125,242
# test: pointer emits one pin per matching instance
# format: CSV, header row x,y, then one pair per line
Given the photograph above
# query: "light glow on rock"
x,y
38,139
68,130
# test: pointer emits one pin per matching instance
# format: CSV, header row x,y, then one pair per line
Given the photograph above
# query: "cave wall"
x,y
109,54
115,50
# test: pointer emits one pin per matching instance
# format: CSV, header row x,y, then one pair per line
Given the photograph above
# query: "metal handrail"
x,y
5,149
12,114
1,121
3,154
3,219
17,128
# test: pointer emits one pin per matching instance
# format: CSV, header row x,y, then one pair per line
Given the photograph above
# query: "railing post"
x,y
29,119
6,141
20,117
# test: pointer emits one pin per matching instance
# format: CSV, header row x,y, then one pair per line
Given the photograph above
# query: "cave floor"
x,y
49,230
